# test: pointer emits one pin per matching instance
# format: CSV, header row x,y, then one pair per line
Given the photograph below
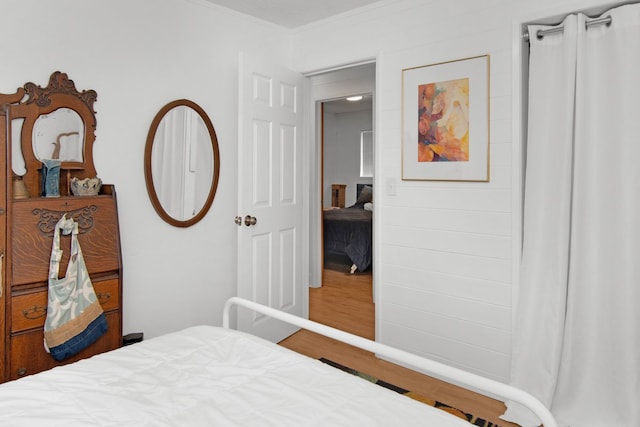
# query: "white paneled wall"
x,y
445,252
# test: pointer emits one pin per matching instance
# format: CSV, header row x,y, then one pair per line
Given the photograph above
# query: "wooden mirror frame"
x,y
31,102
148,174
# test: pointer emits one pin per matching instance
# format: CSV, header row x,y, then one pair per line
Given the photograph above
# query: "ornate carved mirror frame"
x,y
32,102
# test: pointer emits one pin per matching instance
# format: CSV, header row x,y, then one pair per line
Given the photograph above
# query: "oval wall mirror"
x,y
181,163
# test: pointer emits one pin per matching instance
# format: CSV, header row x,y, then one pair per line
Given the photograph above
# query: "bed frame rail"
x,y
457,376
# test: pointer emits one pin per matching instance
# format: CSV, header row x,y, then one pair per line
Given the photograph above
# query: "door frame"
x,y
314,129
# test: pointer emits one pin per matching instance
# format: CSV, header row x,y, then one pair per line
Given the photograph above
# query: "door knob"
x,y
250,220
238,220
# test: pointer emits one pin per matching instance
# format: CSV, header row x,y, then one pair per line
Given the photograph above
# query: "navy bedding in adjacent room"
x,y
349,231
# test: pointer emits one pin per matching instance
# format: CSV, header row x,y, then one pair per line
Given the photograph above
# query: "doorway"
x,y
340,169
347,183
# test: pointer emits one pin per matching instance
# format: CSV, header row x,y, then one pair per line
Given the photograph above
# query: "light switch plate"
x,y
391,186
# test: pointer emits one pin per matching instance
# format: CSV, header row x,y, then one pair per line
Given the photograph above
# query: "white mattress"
x,y
207,376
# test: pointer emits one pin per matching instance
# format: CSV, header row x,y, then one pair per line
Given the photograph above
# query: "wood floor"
x,y
345,302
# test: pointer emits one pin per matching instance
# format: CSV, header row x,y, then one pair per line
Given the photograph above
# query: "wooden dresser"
x,y
338,195
27,225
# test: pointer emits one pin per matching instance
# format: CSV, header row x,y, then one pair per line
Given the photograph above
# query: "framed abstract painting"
x,y
445,121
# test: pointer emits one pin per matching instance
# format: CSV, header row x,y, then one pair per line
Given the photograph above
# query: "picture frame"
x,y
445,121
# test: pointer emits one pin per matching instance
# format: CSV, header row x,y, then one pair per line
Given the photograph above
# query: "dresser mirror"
x,y
59,135
181,163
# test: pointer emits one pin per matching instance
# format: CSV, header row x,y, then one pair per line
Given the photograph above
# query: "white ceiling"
x,y
292,13
338,106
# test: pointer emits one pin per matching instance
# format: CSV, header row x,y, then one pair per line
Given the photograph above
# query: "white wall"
x,y
446,252
342,152
445,267
138,56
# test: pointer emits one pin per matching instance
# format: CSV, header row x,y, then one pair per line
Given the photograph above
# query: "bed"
x,y
349,231
205,376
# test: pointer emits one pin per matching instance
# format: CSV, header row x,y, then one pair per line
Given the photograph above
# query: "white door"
x,y
270,235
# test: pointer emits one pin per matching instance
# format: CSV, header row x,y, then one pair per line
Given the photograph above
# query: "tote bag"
x,y
75,318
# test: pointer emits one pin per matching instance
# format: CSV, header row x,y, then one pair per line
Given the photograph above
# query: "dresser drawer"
x,y
29,311
28,355
32,230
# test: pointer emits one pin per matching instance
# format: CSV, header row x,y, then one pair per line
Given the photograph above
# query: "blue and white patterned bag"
x,y
75,318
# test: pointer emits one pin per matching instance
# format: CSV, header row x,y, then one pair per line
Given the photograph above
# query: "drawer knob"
x,y
35,312
21,372
103,297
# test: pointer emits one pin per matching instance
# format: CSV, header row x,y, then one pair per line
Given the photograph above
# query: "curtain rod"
x,y
541,33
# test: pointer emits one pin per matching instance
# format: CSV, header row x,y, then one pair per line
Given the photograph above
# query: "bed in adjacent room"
x,y
349,231
210,376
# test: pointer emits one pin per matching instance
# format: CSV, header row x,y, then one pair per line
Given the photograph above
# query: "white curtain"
x,y
577,337
168,163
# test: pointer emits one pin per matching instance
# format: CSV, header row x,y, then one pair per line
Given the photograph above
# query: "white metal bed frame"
x,y
457,376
